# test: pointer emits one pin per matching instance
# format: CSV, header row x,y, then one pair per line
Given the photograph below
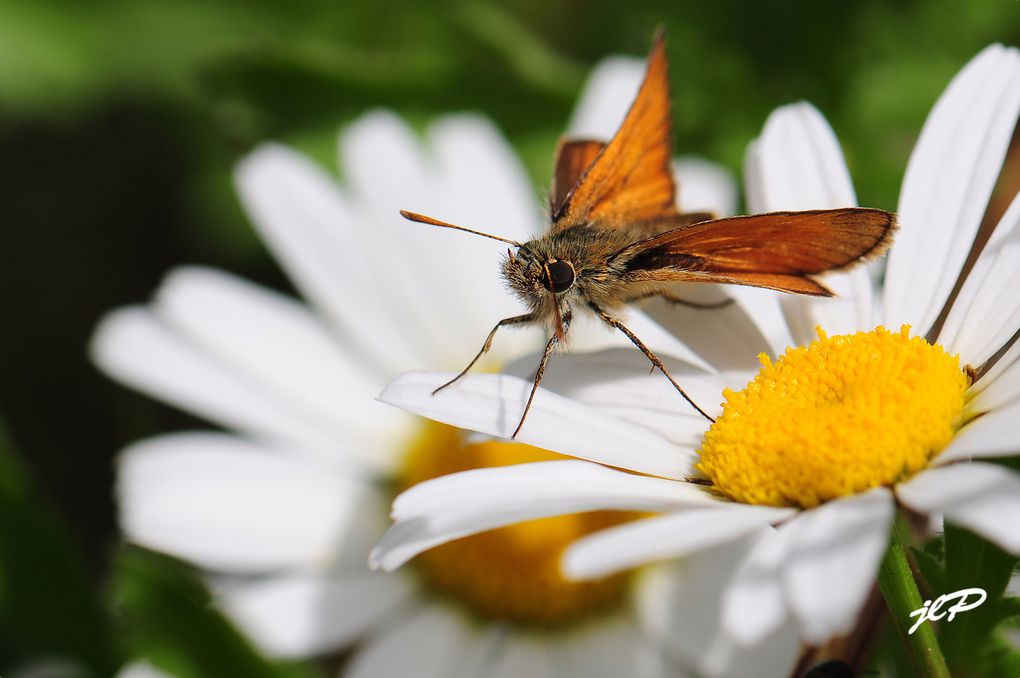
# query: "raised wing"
x,y
779,250
572,158
631,180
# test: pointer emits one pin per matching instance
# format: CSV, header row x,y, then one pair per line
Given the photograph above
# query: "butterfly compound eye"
x,y
561,276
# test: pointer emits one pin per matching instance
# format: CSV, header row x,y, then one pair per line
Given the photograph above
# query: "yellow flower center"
x,y
511,573
840,416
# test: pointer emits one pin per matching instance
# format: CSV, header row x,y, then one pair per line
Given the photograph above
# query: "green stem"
x,y
896,580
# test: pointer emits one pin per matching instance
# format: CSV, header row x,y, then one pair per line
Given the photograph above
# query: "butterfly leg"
x,y
515,320
683,302
613,322
553,340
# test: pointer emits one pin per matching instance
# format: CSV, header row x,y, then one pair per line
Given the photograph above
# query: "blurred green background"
x,y
120,123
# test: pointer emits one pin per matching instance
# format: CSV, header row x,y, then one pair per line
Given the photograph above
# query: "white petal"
x,y
996,434
459,504
589,333
726,338
673,535
482,185
947,184
617,382
431,643
449,282
610,649
801,164
680,608
754,178
984,498
325,241
978,274
776,654
284,351
481,643
842,541
388,170
704,186
1004,368
765,307
999,390
229,505
134,347
754,604
307,615
493,404
986,312
797,164
397,172
484,178
606,98
523,655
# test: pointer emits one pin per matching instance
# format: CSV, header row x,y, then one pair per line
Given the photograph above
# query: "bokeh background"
x,y
121,121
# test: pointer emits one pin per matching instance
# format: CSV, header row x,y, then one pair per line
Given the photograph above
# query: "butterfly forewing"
x,y
631,180
777,250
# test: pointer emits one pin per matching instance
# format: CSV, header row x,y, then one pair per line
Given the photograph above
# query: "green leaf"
x,y
932,569
1010,608
168,618
47,607
530,57
972,562
1000,659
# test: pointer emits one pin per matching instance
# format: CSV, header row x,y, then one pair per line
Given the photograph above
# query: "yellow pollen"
x,y
511,573
839,416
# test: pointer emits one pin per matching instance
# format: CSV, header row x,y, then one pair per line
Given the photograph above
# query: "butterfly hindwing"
x,y
779,250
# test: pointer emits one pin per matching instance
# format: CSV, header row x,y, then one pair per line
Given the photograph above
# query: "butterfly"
x,y
616,235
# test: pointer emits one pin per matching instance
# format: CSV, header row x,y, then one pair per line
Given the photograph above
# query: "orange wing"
x,y
572,158
777,250
631,180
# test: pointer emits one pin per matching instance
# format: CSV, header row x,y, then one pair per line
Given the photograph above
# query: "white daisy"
x,y
821,444
282,511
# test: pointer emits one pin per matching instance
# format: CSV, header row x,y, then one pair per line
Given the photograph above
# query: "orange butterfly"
x,y
616,235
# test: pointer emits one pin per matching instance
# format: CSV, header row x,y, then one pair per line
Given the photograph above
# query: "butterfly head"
x,y
536,275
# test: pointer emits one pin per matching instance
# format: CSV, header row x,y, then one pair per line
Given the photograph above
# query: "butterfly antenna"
x,y
422,219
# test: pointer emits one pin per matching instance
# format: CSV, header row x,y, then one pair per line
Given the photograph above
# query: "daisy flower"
x,y
823,442
282,508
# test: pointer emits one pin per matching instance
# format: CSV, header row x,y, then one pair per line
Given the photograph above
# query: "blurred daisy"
x,y
281,513
140,669
825,441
